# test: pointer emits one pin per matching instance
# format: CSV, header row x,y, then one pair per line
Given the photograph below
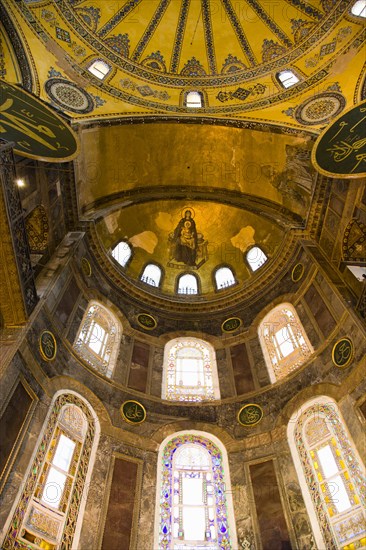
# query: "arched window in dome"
x,y
287,78
193,100
50,507
359,8
190,371
187,284
122,252
284,342
331,474
151,275
99,68
224,277
256,258
193,505
98,339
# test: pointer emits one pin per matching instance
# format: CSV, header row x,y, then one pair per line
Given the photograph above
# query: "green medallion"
x,y
297,273
86,267
342,353
133,412
232,324
146,321
47,345
250,415
34,128
340,150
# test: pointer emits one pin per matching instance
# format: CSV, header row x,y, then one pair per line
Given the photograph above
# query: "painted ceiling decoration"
x,y
230,51
109,68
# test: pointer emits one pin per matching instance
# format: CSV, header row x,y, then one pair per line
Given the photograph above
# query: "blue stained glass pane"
x,y
165,529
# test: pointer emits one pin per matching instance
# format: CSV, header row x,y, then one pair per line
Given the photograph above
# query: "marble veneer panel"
x,y
241,367
320,311
67,302
139,367
11,423
119,518
271,519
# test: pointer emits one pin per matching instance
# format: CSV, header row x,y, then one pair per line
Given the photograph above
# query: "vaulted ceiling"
x,y
241,163
231,51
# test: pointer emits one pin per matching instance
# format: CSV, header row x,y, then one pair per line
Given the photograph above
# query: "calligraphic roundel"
x,y
340,150
35,129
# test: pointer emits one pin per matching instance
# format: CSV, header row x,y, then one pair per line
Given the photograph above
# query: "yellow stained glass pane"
x,y
320,476
342,464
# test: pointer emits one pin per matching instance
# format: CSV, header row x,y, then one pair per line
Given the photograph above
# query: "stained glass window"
x,y
256,258
224,277
47,513
190,371
98,339
331,475
194,508
284,342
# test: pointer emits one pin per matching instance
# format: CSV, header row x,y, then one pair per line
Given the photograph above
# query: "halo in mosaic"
x,y
69,96
320,109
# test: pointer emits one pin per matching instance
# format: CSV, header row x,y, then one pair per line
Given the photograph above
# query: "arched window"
x,y
122,253
287,78
187,284
194,100
99,68
256,258
284,342
98,339
53,497
151,275
331,474
224,278
193,505
359,8
189,371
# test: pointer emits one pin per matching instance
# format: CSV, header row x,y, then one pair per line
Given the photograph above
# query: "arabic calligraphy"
x,y
146,321
341,149
250,415
133,412
36,131
231,324
47,345
342,352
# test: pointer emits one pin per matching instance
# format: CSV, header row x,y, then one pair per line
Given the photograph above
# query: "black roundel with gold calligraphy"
x,y
250,415
47,345
34,128
340,150
342,352
133,412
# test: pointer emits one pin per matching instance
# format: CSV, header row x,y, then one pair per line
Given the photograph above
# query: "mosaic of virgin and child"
x,y
187,246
